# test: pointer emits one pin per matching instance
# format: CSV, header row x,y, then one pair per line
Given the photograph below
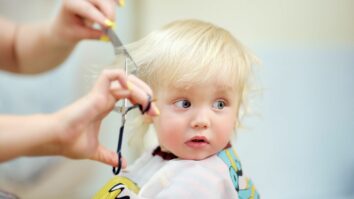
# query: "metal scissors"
x,y
123,109
119,48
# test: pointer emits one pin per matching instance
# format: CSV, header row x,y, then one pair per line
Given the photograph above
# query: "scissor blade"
x,y
124,105
125,102
114,40
118,46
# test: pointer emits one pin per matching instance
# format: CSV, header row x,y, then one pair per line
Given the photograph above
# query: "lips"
x,y
197,142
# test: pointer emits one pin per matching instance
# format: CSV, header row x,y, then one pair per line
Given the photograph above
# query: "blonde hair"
x,y
189,52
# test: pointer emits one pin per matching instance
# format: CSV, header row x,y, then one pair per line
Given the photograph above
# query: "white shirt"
x,y
158,178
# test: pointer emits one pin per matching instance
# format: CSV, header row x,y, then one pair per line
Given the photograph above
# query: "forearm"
x,y
35,48
27,136
32,48
38,49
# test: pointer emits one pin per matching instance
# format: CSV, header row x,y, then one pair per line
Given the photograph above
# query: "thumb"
x,y
107,156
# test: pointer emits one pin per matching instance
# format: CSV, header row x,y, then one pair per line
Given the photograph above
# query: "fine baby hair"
x,y
184,53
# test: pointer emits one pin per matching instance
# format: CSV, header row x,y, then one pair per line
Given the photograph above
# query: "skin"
x,y
195,122
22,46
73,131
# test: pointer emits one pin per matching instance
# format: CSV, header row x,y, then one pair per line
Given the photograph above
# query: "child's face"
x,y
197,122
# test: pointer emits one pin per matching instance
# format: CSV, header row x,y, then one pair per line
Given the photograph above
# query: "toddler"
x,y
199,75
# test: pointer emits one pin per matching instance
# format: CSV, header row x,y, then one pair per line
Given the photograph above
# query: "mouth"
x,y
199,139
197,142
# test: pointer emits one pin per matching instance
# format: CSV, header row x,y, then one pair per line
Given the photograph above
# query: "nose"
x,y
201,119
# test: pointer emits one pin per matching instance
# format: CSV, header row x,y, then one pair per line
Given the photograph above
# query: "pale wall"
x,y
259,22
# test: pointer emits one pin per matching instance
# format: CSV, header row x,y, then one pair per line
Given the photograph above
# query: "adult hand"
x,y
38,47
73,131
76,18
79,136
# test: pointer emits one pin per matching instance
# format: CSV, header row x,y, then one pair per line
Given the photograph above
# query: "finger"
x,y
88,33
105,156
140,83
88,10
120,94
153,111
138,95
107,7
108,76
141,96
124,163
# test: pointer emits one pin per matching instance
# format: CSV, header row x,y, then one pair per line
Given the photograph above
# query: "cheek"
x,y
167,129
225,132
226,126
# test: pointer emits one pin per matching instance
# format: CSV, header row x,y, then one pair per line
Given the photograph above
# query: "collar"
x,y
164,155
169,156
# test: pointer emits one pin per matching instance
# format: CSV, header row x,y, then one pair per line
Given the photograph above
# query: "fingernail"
x,y
104,38
113,25
157,111
109,23
121,3
130,85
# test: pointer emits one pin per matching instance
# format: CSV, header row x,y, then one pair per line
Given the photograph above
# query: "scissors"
x,y
124,109
119,48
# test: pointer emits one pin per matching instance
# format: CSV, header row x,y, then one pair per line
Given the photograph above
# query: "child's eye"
x,y
183,103
219,104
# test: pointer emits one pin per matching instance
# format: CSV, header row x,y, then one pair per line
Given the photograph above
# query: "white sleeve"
x,y
191,179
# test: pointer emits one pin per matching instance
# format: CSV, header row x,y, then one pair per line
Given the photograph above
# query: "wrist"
x,y
55,143
69,125
41,135
62,128
55,32
62,42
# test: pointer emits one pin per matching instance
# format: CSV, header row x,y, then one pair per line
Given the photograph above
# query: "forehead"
x,y
217,82
211,89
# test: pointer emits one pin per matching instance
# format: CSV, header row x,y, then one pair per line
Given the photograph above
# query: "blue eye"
x,y
183,103
219,104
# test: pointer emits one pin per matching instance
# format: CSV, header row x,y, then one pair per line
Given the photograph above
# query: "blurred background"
x,y
296,144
